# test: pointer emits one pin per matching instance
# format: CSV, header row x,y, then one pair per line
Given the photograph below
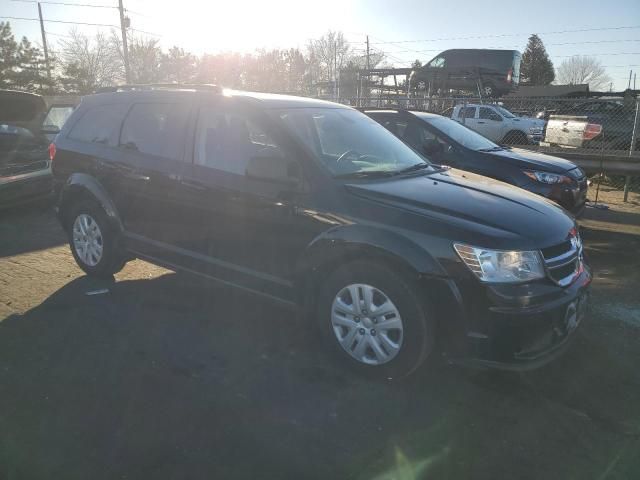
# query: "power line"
x,y
67,4
61,21
473,37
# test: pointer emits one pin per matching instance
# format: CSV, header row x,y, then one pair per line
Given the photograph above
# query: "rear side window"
x,y
469,112
100,124
156,129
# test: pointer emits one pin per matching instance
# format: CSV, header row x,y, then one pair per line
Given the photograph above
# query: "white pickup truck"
x,y
499,124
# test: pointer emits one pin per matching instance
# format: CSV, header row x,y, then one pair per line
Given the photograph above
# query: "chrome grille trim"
x,y
572,255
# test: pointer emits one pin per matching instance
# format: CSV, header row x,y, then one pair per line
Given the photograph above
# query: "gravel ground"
x,y
167,376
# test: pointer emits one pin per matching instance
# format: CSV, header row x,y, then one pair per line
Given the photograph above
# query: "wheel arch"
x,y
81,186
356,242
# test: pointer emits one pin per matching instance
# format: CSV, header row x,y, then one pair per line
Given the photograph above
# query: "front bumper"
x,y
571,197
518,327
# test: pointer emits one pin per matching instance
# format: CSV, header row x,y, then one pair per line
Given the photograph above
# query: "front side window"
x,y
228,140
100,124
488,114
504,112
348,142
437,62
156,129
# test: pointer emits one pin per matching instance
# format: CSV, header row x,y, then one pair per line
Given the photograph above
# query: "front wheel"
x,y
375,319
93,240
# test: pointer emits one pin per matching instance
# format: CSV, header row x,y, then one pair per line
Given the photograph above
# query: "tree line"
x,y
80,64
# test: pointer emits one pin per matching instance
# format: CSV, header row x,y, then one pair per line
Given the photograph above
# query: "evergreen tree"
x,y
536,67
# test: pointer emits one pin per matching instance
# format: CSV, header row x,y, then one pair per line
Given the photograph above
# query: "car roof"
x,y
417,113
264,100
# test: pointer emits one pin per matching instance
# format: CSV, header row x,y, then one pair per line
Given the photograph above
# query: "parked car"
x,y
25,173
615,118
495,72
315,205
447,142
499,125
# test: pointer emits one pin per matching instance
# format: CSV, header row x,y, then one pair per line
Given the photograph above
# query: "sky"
x,y
404,30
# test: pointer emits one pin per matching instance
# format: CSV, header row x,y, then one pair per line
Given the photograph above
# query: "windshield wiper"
x,y
413,168
367,174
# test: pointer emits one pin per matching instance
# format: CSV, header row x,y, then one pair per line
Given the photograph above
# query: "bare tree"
x,y
327,55
583,69
89,63
145,56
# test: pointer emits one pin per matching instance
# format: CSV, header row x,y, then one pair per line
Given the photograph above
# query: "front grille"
x,y
563,260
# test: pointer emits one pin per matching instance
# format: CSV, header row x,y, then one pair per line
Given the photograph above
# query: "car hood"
x,y
22,109
493,213
528,159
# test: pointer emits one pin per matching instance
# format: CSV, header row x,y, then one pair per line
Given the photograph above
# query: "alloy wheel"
x,y
87,240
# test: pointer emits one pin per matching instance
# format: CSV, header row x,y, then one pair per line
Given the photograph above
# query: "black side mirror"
x,y
432,147
274,169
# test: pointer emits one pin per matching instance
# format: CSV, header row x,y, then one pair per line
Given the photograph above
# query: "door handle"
x,y
481,122
192,184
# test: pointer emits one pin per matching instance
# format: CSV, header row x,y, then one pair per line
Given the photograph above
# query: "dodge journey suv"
x,y
318,206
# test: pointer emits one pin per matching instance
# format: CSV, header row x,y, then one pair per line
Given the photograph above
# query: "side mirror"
x,y
432,147
50,130
274,169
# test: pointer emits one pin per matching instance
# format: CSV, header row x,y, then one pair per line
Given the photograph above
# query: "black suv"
x,y
314,204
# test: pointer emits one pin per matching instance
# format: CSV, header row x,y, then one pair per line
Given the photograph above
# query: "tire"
x,y
415,338
488,91
515,137
110,260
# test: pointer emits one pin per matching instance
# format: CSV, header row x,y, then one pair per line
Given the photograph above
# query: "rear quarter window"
x,y
99,124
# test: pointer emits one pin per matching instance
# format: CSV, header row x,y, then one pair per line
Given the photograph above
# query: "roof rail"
x,y
161,86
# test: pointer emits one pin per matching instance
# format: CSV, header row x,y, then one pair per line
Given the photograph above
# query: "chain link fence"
x,y
608,148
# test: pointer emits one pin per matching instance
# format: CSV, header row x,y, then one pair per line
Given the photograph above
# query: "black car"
x,y
494,72
447,142
315,205
25,173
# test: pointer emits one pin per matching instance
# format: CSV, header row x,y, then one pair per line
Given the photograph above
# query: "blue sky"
x,y
208,26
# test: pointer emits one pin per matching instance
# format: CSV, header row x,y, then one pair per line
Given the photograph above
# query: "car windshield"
x,y
349,143
505,113
462,135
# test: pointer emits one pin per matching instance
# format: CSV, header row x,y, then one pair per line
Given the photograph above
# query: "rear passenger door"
x,y
152,146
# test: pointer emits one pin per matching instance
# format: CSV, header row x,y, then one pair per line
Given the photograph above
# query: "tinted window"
x,y
227,141
469,112
99,124
156,129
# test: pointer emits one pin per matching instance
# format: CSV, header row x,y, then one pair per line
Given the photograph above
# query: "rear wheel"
x,y
93,240
374,320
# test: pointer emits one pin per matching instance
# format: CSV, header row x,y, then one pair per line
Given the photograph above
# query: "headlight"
x,y
546,177
499,266
535,130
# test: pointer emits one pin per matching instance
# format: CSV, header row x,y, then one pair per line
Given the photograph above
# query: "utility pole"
x,y
44,43
629,85
124,23
368,66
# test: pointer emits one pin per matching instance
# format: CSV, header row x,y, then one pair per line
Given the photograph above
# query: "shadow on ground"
x,y
38,218
173,378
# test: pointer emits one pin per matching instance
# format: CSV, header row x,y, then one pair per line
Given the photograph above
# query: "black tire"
x,y
111,260
418,321
515,137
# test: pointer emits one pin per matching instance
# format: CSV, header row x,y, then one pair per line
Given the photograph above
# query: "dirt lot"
x,y
168,377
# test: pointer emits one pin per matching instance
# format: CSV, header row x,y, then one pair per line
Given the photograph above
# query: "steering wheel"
x,y
346,154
